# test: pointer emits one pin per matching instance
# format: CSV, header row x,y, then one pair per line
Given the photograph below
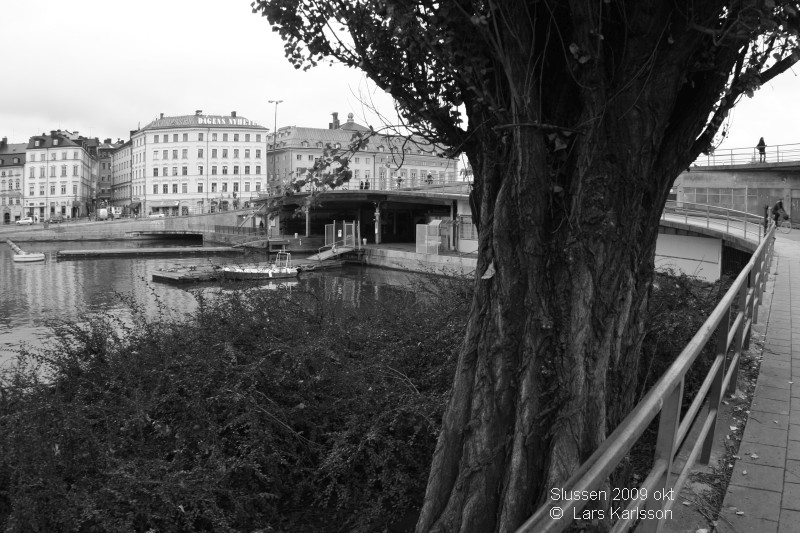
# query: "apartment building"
x,y
197,164
103,190
121,172
12,170
58,176
387,162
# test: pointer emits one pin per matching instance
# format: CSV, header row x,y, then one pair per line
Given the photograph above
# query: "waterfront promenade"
x,y
764,491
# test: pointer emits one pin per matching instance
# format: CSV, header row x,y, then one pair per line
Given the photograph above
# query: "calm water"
x,y
33,294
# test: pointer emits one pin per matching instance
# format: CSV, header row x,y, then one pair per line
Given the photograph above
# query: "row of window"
x,y
200,137
10,185
32,170
42,157
165,187
32,192
201,152
14,161
201,170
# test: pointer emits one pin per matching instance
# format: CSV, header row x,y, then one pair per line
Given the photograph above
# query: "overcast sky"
x,y
105,67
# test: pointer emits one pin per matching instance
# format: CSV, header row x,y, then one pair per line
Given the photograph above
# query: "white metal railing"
x,y
731,221
732,321
781,153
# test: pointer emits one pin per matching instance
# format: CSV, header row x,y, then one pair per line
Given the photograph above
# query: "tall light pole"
x,y
274,138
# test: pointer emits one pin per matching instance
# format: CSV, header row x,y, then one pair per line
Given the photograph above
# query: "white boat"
x,y
26,257
281,268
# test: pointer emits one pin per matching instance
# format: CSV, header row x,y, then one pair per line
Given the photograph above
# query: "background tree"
x,y
580,114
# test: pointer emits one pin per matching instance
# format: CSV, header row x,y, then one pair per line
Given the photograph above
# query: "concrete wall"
x,y
694,256
744,188
438,264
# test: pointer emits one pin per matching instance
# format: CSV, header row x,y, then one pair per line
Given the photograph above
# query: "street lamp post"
x,y
274,139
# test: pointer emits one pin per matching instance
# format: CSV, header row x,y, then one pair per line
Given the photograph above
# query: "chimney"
x,y
162,115
233,114
335,124
53,133
4,141
133,131
198,112
349,118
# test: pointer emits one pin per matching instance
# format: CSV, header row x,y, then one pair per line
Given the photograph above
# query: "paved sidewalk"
x,y
765,485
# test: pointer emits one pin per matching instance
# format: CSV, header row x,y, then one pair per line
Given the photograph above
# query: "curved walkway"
x,y
764,492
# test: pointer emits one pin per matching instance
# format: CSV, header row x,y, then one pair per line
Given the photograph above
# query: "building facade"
x,y
58,176
121,172
197,163
103,189
12,171
387,162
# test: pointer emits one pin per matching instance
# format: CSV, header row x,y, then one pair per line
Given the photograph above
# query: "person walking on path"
x,y
762,150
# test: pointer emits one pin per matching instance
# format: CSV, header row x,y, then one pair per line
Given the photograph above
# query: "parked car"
x,y
25,221
57,219
157,215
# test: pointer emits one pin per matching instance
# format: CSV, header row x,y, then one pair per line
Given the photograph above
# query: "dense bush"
x,y
268,410
264,411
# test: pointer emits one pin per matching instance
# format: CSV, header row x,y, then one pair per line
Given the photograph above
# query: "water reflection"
x,y
33,294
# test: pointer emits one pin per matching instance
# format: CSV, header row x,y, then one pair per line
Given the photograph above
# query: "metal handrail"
x,y
665,397
780,153
732,221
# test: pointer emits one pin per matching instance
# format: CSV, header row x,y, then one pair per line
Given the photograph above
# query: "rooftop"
x,y
200,120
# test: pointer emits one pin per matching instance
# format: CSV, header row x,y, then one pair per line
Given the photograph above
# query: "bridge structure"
x,y
738,179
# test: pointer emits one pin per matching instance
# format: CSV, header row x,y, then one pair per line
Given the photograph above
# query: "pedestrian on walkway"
x,y
762,150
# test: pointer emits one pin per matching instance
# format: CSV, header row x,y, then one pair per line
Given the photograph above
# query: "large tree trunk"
x,y
562,312
568,226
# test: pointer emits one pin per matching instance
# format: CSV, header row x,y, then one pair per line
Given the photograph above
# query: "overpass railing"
x,y
728,330
781,153
731,221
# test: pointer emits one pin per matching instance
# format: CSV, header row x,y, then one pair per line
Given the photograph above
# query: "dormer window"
x,y
337,145
55,142
37,142
381,148
304,144
319,145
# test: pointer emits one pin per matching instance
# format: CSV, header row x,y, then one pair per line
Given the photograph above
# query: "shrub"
x,y
267,410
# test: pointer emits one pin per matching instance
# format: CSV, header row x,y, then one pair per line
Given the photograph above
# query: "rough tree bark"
x,y
580,116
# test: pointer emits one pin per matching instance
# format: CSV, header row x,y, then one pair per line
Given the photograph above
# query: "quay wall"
x,y
447,265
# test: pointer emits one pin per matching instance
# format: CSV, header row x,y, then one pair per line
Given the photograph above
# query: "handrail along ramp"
x,y
665,397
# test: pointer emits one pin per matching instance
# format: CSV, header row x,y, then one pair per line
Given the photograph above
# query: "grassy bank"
x,y
266,411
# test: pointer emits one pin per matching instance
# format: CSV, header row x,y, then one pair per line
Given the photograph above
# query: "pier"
x,y
171,251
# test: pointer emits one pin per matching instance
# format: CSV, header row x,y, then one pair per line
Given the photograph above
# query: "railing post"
x,y
708,216
740,340
755,285
715,395
669,422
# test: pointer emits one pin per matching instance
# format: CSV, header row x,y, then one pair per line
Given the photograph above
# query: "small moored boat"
x,y
281,268
27,257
